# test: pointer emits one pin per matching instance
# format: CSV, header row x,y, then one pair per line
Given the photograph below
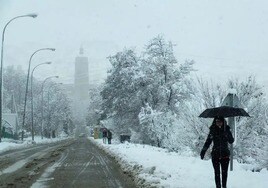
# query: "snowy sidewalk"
x,y
158,167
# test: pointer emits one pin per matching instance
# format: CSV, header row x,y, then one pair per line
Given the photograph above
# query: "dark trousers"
x,y
222,163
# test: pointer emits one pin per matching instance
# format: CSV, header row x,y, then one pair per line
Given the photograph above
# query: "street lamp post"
x,y
26,92
32,128
1,69
42,101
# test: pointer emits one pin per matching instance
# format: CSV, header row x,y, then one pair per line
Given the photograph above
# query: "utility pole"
x,y
232,100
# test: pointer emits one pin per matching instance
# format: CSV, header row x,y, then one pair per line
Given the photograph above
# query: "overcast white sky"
x,y
225,38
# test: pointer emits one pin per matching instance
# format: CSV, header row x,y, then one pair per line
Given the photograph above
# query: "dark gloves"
x,y
202,154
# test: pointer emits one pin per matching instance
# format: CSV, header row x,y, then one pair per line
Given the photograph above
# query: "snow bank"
x,y
156,167
9,144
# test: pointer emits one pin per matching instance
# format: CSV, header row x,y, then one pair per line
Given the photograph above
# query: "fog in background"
x,y
226,38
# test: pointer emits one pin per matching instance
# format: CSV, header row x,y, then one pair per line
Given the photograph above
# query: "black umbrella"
x,y
223,111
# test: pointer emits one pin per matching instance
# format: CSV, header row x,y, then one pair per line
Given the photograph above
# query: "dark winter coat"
x,y
220,138
109,134
104,133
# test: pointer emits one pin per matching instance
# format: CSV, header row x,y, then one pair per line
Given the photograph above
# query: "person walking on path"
x,y
109,136
221,135
104,135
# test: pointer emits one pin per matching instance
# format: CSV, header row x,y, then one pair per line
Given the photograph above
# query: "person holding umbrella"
x,y
220,135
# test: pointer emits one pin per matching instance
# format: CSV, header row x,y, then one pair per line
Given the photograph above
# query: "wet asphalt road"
x,y
84,165
71,163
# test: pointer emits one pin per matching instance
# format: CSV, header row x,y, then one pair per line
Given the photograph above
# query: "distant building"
x,y
84,80
81,76
81,86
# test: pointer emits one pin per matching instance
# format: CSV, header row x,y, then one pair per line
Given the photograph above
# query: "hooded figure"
x,y
221,135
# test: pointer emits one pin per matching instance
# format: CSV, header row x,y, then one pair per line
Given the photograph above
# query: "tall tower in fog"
x,y
81,86
81,76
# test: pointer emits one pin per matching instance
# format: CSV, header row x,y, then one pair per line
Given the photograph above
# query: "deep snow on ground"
x,y
161,168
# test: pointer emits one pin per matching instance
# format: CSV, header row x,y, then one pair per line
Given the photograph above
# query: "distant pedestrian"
x,y
109,136
104,135
221,135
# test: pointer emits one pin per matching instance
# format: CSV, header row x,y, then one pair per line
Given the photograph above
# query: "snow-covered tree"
x,y
14,80
94,108
252,133
14,83
167,87
120,99
207,95
56,111
154,80
155,97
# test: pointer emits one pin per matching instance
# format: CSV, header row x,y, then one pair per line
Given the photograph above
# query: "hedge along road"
x,y
72,163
